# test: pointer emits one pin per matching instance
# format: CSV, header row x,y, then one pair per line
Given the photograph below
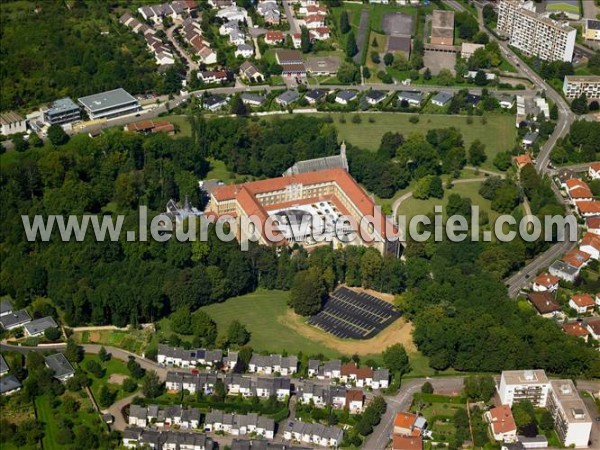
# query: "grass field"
x,y
134,341
113,366
498,134
412,206
185,129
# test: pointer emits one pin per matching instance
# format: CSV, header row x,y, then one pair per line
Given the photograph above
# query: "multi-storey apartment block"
x,y
572,422
533,34
518,385
574,86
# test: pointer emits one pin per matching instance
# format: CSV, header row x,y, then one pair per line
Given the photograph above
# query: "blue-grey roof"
x,y
376,95
14,319
3,366
253,97
442,97
108,99
214,100
5,306
561,266
316,93
62,105
472,99
40,325
532,137
9,383
411,95
59,364
289,96
347,95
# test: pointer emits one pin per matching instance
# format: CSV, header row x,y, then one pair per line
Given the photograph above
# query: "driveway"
x,y
289,13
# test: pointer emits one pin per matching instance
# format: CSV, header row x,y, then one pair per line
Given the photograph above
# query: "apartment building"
x,y
572,422
574,86
518,385
63,110
534,34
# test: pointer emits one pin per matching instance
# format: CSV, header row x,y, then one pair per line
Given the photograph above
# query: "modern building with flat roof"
x,y
572,421
534,34
109,104
518,385
591,29
575,85
63,110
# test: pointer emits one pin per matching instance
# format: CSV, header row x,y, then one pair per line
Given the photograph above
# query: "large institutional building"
x,y
572,421
533,34
105,105
319,192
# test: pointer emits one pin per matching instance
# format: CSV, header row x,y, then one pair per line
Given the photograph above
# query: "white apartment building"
x,y
534,34
572,422
517,385
574,86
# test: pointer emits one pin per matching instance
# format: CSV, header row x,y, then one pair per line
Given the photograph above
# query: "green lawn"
x,y
412,206
262,313
134,341
113,366
498,134
185,129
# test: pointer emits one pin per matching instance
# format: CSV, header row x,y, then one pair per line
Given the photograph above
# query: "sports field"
x,y
274,327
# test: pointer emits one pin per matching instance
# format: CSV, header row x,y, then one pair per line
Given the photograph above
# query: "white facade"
x,y
533,34
12,123
517,385
574,86
572,422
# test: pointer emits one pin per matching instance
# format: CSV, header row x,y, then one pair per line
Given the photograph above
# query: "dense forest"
x,y
452,291
50,50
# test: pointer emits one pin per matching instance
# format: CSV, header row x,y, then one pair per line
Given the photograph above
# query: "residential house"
x,y
576,258
582,303
593,326
134,437
9,385
590,244
361,377
16,319
523,160
344,97
442,98
315,21
529,139
545,282
413,98
592,224
472,100
564,271
407,442
244,51
214,102
320,33
502,423
578,190
381,379
576,329
233,14
594,171
38,326
330,370
408,424
588,209
544,303
250,72
211,77
313,433
60,366
231,360
284,365
3,366
287,98
355,400
274,37
191,382
240,424
506,101
6,308
251,99
269,387
294,70
374,97
164,417
138,416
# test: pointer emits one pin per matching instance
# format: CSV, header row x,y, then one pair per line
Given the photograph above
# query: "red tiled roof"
x,y
405,420
314,18
593,223
595,167
543,302
591,239
576,258
583,300
546,280
575,329
523,160
363,203
502,419
274,36
594,324
361,373
592,207
407,443
354,395
575,183
581,192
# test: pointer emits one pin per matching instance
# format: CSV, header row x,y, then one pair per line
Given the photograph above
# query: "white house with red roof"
x,y
502,423
588,209
578,190
593,327
314,21
594,171
274,37
582,303
593,225
320,33
576,329
590,244
545,282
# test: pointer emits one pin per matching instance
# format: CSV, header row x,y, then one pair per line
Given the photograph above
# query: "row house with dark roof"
x,y
240,424
269,364
176,356
134,437
191,382
154,415
313,433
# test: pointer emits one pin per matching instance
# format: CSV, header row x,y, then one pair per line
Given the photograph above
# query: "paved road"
x,y
401,401
289,13
192,65
119,423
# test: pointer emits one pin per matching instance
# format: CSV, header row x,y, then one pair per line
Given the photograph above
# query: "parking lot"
x,y
398,24
354,315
